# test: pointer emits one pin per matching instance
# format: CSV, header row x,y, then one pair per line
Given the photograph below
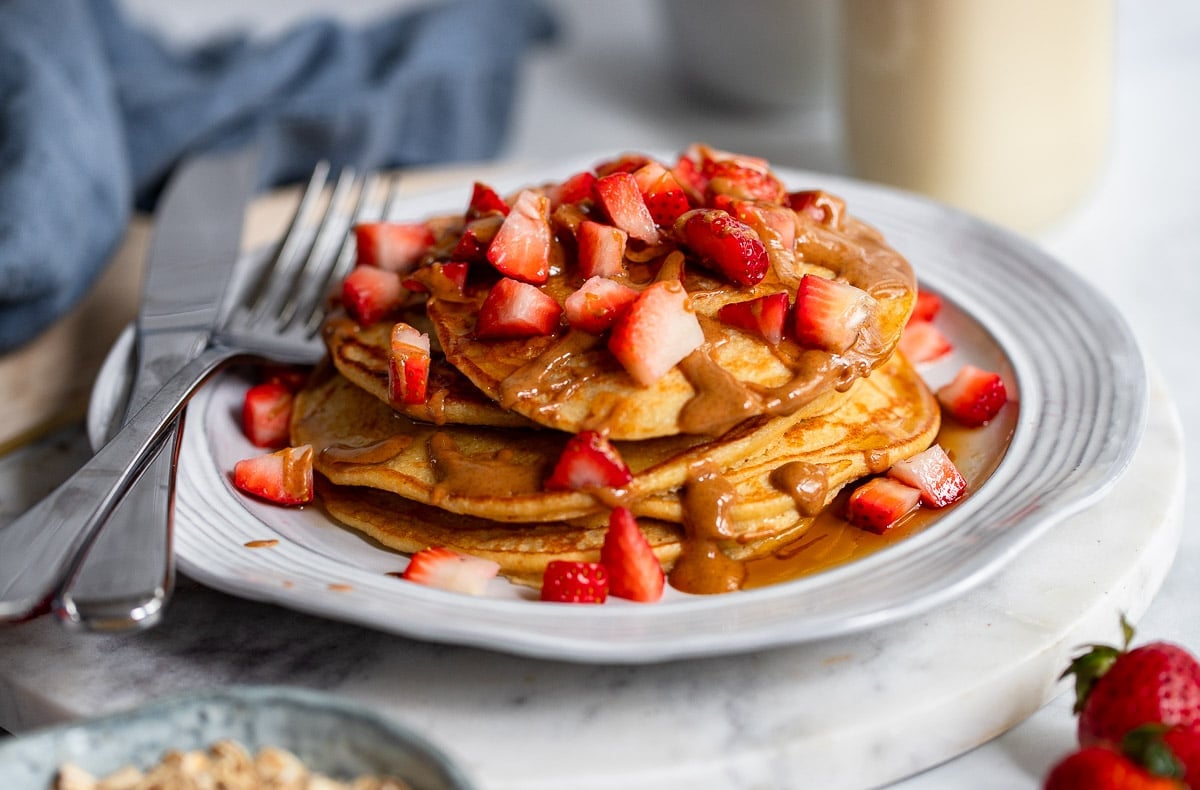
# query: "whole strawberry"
x,y
1119,689
1102,768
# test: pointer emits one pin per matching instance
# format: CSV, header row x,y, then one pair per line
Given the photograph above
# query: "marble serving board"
x,y
858,711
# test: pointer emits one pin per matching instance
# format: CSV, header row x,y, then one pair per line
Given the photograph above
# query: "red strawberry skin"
x,y
370,293
521,247
516,309
1158,682
1101,768
567,581
933,473
589,460
725,244
878,504
633,569
974,396
266,414
284,477
395,246
765,316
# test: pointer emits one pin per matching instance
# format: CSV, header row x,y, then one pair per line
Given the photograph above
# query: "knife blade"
x,y
128,573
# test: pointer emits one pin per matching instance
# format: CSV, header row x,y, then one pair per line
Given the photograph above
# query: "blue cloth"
x,y
95,113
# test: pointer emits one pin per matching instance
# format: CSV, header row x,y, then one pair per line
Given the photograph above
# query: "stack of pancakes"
x,y
733,453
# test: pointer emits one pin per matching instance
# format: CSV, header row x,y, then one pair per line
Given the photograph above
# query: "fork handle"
x,y
42,550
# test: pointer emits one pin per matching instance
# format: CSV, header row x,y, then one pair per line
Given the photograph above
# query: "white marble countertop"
x,y
607,87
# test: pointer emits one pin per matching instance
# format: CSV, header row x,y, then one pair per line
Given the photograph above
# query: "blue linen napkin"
x,y
95,113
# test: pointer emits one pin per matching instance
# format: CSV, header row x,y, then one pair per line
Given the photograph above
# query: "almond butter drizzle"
x,y
702,567
807,484
493,475
376,453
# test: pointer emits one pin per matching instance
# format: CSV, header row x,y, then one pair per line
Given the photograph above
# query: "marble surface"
x,y
778,718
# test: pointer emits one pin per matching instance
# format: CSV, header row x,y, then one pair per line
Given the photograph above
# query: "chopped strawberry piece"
x,y
878,504
763,317
829,313
634,572
923,342
621,199
485,200
516,309
521,248
773,224
927,306
819,206
625,163
408,364
597,304
588,461
664,197
477,236
444,569
601,249
567,581
394,246
284,477
724,244
974,396
267,414
293,377
687,174
933,473
576,189
369,294
745,182
655,332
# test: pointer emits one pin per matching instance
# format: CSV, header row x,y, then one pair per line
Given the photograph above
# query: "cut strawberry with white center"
x,y
926,308
829,313
818,205
773,224
724,244
597,304
521,248
655,332
878,504
284,477
664,197
933,473
477,236
485,200
923,342
516,309
621,199
588,461
567,581
395,246
974,396
444,569
369,294
576,189
634,571
267,414
408,364
601,249
763,317
743,182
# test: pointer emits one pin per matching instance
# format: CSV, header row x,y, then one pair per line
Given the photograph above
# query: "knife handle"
x,y
43,549
128,574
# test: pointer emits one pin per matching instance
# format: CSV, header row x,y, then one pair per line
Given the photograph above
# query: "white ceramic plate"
x,y
1068,359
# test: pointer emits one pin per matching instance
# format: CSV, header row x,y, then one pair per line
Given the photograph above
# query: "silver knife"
x,y
128,574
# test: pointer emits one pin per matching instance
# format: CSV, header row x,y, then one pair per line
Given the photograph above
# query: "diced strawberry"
x,y
477,236
408,364
923,342
521,248
369,294
763,317
687,174
634,572
708,157
621,199
394,246
771,223
455,272
829,313
485,200
655,332
516,309
601,249
974,395
576,189
724,244
625,163
589,460
741,181
567,581
293,377
284,477
597,304
818,205
267,414
927,306
664,197
444,569
879,503
933,473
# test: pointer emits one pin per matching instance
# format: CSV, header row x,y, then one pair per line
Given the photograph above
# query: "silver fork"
x,y
273,314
